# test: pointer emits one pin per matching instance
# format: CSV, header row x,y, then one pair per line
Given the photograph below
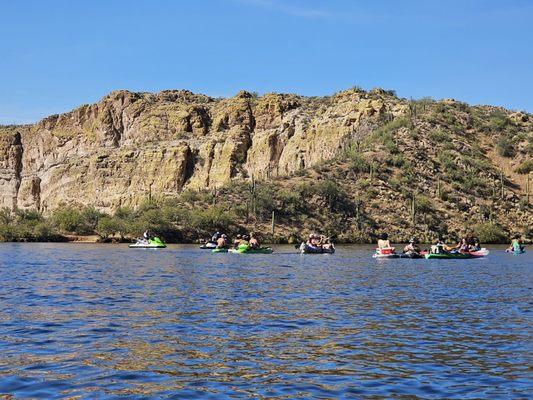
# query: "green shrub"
x,y
116,225
423,205
505,146
498,121
7,233
408,170
447,160
206,221
488,232
358,163
525,168
291,202
77,220
397,160
90,217
5,215
472,183
190,196
438,136
27,226
44,232
440,108
333,195
385,134
477,163
106,227
67,219
264,200
154,219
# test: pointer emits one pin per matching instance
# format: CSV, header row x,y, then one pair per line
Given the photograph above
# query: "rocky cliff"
x,y
130,146
118,151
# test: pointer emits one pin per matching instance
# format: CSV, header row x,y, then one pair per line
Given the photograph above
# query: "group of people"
x,y
466,245
223,242
319,241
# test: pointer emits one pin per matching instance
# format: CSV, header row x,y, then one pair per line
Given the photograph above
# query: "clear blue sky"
x,y
58,54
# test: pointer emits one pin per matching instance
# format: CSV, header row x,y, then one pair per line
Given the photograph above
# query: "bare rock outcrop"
x,y
130,145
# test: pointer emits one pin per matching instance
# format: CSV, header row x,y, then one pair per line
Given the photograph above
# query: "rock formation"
x,y
130,145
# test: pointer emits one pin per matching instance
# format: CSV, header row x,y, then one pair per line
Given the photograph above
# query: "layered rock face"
x,y
129,146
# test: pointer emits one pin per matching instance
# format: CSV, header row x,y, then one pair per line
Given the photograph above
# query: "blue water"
x,y
104,321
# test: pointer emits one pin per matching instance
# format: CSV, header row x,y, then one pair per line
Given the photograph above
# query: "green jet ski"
x,y
153,243
245,249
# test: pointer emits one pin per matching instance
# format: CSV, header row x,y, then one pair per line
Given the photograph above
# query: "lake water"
x,y
104,321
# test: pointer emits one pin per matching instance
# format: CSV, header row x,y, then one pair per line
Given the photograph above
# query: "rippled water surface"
x,y
104,321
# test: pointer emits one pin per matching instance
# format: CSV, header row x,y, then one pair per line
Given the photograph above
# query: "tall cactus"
x,y
413,209
502,184
527,188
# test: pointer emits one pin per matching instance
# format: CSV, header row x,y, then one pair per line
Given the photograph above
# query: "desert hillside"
x,y
350,165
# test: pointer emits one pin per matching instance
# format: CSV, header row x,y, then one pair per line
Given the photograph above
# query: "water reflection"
x,y
103,321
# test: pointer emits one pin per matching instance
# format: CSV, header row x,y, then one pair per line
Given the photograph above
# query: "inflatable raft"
x,y
308,249
458,255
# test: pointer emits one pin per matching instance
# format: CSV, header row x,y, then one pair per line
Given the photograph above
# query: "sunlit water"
x,y
104,321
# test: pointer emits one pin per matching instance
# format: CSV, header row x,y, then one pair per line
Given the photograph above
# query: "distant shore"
x,y
95,239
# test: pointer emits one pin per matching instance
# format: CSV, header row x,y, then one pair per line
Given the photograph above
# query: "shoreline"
x,y
88,241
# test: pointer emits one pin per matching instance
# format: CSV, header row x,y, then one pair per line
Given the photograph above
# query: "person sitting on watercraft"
x,y
314,241
412,247
325,243
237,241
462,247
516,245
384,246
245,240
147,236
441,247
383,242
222,242
215,237
475,246
466,245
254,243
